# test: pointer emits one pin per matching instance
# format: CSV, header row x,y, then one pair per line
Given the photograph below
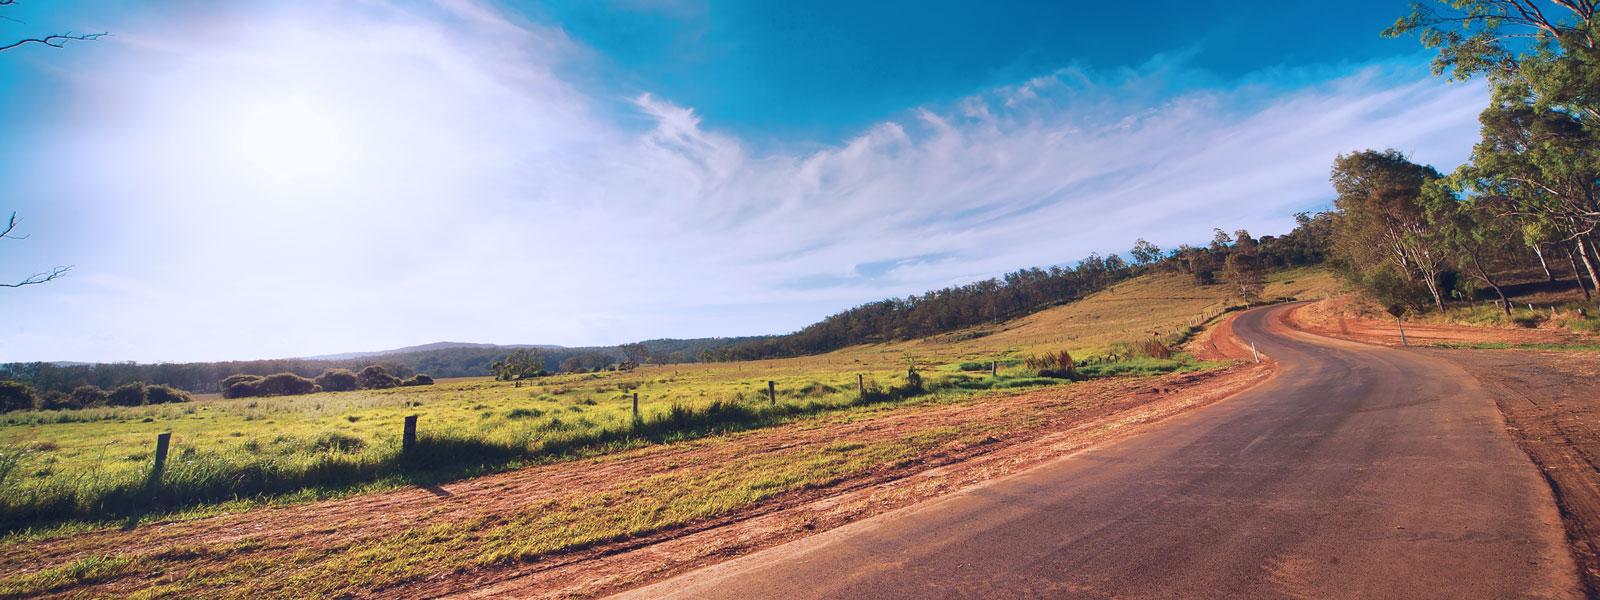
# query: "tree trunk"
x,y
1572,257
1539,252
1505,304
1588,262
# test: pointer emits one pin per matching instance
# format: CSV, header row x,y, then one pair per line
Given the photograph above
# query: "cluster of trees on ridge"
x,y
1239,260
16,396
1529,194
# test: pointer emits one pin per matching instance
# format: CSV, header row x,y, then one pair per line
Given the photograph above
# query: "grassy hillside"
x,y
92,463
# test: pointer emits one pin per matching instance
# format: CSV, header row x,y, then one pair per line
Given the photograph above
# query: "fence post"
x,y
772,391
994,368
636,406
162,441
408,440
861,385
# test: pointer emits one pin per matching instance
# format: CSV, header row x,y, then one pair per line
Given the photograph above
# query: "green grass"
x,y
323,445
79,572
63,471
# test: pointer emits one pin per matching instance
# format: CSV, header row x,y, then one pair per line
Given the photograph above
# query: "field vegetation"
x,y
93,465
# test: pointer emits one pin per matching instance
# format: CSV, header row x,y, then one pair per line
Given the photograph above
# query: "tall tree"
x,y
1243,271
1144,252
1381,222
1480,242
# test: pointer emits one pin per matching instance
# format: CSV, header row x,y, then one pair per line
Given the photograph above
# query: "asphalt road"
x,y
1357,471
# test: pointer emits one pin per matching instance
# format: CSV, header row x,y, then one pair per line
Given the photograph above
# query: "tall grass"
x,y
330,460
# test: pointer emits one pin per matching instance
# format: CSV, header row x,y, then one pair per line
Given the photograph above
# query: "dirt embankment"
x,y
300,541
1335,318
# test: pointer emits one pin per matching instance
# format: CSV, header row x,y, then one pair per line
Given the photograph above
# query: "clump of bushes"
x,y
338,380
14,395
1145,348
373,377
85,396
127,394
1055,365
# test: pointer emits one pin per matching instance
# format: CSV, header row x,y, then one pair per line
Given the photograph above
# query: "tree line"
x,y
1239,260
1528,196
468,361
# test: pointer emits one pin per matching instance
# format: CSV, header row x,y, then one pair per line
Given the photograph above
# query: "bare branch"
x,y
55,41
11,225
38,278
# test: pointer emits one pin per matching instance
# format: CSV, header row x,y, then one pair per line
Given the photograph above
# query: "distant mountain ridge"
x,y
428,348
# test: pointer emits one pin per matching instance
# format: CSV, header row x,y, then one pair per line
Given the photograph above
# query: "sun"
x,y
290,139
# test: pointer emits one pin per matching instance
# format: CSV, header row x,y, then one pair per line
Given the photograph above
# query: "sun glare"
x,y
291,139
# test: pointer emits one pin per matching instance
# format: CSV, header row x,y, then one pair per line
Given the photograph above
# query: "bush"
x,y
14,395
375,377
127,394
160,394
88,396
242,389
284,384
239,378
338,380
974,366
418,379
55,400
1146,348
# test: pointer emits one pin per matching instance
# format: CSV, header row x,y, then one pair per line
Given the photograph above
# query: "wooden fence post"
x,y
772,391
861,385
636,406
162,441
408,440
994,368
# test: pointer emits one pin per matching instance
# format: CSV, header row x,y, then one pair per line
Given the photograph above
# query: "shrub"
x,y
418,379
245,388
14,395
88,396
239,378
375,377
974,366
284,384
127,394
337,442
1146,348
338,380
1055,365
160,394
55,400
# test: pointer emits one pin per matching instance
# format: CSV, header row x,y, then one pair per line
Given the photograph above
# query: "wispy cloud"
x,y
462,188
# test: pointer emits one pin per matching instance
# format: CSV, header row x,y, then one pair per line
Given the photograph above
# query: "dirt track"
x,y
1358,471
297,541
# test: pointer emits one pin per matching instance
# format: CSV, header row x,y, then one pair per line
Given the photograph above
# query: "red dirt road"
x,y
1357,471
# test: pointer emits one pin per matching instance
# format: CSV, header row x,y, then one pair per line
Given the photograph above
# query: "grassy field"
x,y
91,465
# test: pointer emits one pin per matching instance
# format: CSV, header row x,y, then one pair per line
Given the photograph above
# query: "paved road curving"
x,y
1357,471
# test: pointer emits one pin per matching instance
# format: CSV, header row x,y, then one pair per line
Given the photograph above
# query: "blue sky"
x,y
243,180
820,70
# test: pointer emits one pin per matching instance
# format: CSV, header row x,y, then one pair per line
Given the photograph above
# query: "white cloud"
x,y
356,178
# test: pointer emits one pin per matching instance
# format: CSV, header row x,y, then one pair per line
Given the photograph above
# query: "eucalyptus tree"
x,y
1381,230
